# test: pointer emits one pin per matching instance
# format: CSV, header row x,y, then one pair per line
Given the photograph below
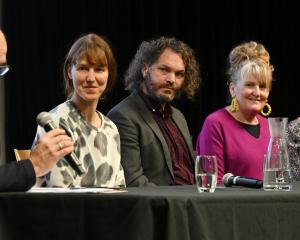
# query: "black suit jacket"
x,y
145,156
17,176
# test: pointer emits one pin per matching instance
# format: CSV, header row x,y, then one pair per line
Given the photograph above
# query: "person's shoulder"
x,y
293,129
107,122
216,121
263,121
124,103
61,109
66,114
178,115
294,123
261,118
128,105
176,110
217,115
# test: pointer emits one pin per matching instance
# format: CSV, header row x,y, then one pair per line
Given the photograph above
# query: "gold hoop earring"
x,y
233,105
269,110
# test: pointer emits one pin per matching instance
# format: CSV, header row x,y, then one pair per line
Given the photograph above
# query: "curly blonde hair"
x,y
250,58
149,52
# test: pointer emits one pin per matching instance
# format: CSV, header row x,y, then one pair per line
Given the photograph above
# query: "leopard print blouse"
x,y
293,143
98,149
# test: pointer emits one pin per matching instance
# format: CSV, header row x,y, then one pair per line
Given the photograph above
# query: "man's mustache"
x,y
167,85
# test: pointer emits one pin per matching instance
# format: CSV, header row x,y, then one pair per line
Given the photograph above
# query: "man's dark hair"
x,y
149,52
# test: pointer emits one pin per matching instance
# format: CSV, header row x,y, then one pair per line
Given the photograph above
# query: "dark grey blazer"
x,y
145,156
17,176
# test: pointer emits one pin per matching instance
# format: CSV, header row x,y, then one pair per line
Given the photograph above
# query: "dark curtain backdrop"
x,y
40,32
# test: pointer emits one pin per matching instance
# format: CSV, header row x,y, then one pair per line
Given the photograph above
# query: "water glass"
x,y
206,173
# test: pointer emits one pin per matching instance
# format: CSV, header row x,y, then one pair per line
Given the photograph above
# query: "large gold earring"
x,y
233,105
269,110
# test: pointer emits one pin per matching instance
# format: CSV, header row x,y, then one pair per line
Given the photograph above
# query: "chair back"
x,y
22,154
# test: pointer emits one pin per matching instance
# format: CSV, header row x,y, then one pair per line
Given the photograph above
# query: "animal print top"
x,y
98,149
293,143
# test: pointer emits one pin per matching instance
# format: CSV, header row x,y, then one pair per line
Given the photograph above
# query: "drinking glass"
x,y
206,173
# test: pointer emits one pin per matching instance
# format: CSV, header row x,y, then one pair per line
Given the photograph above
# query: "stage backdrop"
x,y
40,32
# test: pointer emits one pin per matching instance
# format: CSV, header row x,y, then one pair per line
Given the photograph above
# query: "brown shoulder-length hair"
x,y
97,51
149,52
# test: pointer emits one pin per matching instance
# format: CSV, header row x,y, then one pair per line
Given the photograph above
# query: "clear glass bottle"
x,y
277,174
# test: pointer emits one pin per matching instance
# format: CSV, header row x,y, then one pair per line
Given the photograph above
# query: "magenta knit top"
x,y
237,151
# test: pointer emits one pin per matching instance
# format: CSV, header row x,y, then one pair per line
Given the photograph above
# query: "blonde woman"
x,y
238,134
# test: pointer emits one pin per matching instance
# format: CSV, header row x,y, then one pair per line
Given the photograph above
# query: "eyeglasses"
x,y
4,69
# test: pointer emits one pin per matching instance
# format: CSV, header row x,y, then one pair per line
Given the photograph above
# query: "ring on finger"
x,y
60,146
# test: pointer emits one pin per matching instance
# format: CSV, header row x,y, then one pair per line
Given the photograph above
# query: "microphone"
x,y
230,180
44,120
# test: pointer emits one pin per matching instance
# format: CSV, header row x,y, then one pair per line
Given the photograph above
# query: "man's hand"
x,y
52,147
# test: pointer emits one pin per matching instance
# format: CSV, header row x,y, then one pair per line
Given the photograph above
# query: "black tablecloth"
x,y
177,212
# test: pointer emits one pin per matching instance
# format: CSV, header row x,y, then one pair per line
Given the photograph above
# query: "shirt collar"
x,y
155,107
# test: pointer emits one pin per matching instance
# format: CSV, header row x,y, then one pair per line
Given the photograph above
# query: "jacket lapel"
x,y
150,121
185,133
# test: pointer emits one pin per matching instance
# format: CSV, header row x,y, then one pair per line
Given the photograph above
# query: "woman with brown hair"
x,y
89,71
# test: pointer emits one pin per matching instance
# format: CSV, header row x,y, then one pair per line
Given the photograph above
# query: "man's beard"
x,y
153,92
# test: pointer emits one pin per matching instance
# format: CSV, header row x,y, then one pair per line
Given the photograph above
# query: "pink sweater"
x,y
237,151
